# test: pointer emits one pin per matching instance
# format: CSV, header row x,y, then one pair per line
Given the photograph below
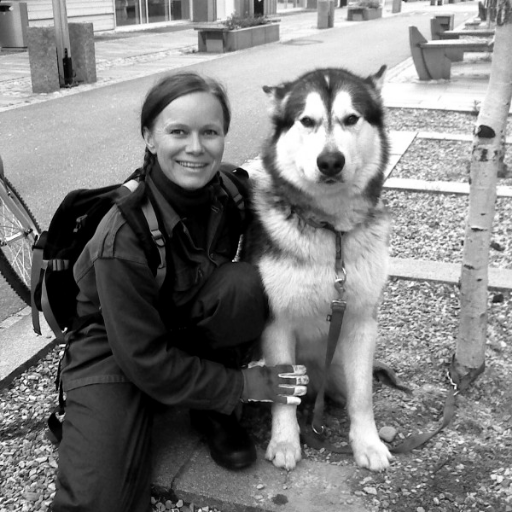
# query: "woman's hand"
x,y
282,383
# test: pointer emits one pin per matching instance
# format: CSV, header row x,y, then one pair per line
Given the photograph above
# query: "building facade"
x,y
108,15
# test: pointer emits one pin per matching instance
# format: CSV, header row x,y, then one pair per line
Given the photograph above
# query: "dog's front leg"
x,y
357,350
284,446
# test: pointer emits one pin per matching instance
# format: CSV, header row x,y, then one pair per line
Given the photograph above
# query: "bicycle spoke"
x,y
16,243
18,232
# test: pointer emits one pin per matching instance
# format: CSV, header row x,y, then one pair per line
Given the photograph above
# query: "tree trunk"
x,y
487,159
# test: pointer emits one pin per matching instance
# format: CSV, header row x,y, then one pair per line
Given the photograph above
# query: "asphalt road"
x,y
93,138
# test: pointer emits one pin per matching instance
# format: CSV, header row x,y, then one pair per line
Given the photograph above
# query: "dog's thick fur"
x,y
324,163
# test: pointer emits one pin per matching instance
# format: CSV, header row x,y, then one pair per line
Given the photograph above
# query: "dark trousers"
x,y
104,456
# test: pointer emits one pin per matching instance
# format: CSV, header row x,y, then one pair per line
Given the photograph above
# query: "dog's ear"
x,y
276,95
378,78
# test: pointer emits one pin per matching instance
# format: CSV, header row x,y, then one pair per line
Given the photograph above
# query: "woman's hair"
x,y
172,87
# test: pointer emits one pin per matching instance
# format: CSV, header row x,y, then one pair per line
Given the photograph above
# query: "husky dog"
x,y
319,218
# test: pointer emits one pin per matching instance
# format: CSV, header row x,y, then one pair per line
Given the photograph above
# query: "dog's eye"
x,y
307,122
351,120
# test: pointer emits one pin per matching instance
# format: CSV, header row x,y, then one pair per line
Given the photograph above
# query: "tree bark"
x,y
487,159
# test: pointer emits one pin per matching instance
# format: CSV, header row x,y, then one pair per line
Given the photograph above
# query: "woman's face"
x,y
188,139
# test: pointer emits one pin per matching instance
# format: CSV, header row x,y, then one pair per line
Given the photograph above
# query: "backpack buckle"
x,y
80,221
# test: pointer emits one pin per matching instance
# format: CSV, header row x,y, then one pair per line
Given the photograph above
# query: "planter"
x,y
219,39
356,13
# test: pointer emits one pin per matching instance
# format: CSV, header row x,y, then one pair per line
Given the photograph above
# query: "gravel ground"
x,y
467,467
434,228
443,160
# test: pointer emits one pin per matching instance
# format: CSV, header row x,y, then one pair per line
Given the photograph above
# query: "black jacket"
x,y
134,342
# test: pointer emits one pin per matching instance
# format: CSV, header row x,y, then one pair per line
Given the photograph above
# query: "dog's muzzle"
x,y
330,164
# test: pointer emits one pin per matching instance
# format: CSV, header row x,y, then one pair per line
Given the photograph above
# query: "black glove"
x,y
283,383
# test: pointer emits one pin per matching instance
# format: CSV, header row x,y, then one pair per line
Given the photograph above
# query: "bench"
x,y
211,38
439,32
432,58
217,38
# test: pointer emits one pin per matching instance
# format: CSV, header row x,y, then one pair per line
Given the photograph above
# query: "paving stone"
x,y
422,270
438,187
311,487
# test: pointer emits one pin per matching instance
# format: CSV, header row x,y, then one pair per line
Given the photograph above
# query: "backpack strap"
x,y
156,234
35,274
158,238
47,309
229,185
38,272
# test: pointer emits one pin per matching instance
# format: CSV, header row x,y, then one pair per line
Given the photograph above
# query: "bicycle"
x,y
19,231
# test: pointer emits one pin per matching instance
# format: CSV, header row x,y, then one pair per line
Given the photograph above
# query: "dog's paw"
x,y
284,454
371,453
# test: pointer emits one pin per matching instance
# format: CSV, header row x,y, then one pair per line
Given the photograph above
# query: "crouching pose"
x,y
185,342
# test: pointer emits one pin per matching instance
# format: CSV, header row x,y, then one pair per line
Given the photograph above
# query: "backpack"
x,y
53,288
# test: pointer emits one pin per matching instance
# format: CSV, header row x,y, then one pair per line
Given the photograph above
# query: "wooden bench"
x,y
432,58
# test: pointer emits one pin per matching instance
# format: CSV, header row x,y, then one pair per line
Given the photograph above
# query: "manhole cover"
x,y
302,42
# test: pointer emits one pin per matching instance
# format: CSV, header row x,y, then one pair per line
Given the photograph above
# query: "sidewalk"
x,y
125,56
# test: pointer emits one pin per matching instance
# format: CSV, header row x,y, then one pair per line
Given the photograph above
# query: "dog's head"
x,y
329,130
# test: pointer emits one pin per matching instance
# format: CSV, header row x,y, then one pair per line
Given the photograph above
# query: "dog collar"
x,y
340,266
295,210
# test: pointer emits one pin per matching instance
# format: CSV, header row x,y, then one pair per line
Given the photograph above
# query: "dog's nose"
x,y
330,163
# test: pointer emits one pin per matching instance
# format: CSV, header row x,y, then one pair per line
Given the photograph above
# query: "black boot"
x,y
229,443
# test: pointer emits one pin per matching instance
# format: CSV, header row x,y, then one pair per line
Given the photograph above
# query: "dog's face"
x,y
329,129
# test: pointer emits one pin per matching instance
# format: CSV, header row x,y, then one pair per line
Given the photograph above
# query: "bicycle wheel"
x,y
18,232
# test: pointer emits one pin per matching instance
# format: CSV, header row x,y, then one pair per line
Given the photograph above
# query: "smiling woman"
x,y
188,139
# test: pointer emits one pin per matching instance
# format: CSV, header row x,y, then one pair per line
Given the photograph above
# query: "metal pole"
x,y
60,17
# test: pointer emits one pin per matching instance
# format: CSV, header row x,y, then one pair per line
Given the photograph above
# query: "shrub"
x,y
370,4
234,22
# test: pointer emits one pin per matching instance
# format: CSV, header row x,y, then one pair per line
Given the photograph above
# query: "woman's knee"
x,y
244,280
232,307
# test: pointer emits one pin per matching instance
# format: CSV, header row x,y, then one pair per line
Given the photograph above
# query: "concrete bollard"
x,y
42,56
83,53
325,11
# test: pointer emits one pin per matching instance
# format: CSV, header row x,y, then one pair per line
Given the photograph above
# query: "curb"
x,y
20,347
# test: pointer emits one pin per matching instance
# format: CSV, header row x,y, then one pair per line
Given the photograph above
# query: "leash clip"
x,y
339,281
454,385
320,432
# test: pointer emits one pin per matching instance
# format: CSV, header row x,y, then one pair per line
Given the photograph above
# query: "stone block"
x,y
311,487
174,442
42,54
83,53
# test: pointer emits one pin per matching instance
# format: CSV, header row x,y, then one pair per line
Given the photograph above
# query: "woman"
x,y
181,343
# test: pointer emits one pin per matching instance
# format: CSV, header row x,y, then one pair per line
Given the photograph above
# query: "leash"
x,y
386,375
338,307
380,371
457,385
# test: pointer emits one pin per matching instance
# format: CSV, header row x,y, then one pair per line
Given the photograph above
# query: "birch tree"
x,y
486,160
